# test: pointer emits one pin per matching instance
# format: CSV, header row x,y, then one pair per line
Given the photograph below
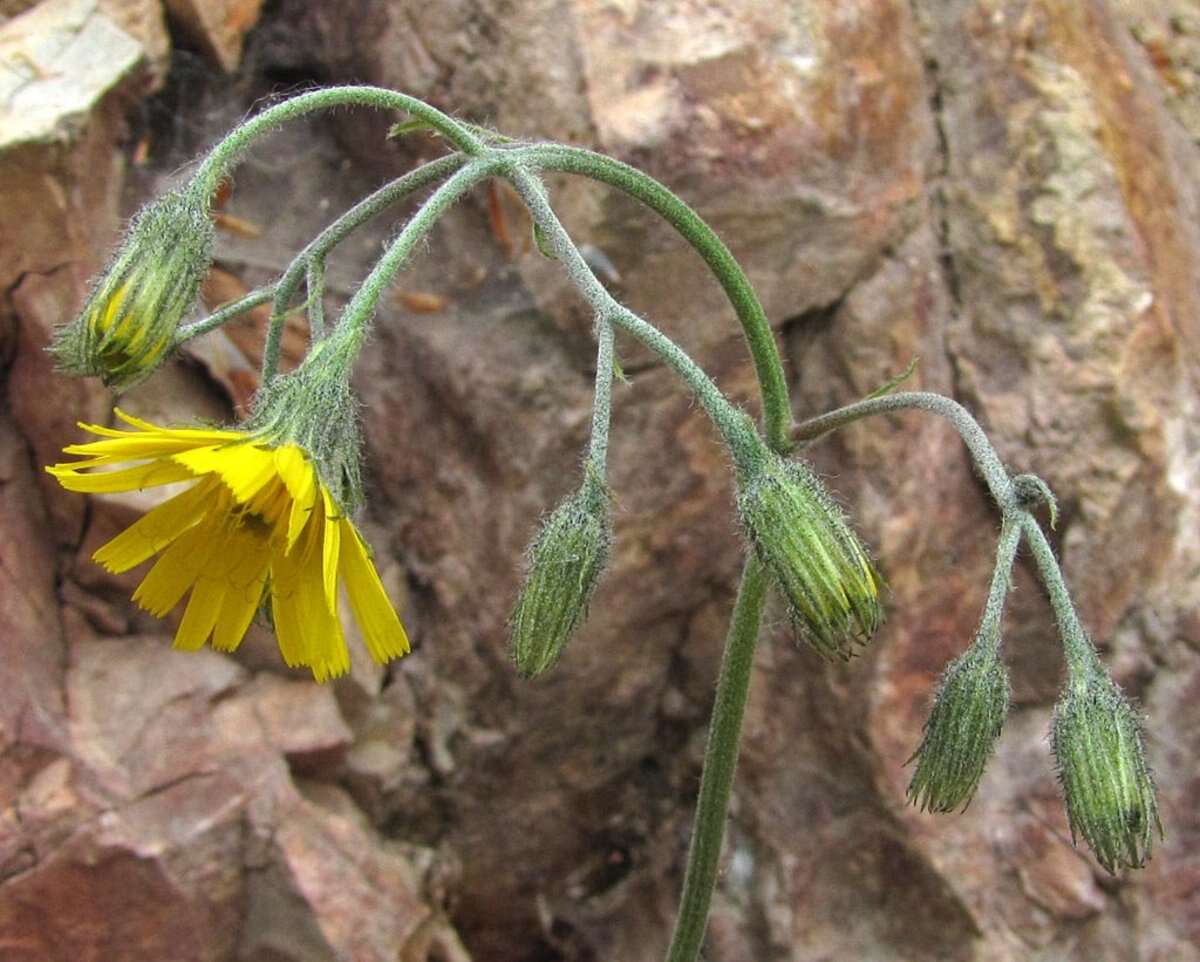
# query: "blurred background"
x,y
1006,189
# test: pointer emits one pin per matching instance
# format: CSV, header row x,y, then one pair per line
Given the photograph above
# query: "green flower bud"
x,y
564,563
808,547
127,327
1097,742
962,729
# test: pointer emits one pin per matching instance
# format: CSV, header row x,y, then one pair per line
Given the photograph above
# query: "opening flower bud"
x,y
968,712
1097,742
812,554
564,563
127,327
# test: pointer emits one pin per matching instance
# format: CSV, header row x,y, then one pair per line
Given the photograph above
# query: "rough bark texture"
x,y
1007,189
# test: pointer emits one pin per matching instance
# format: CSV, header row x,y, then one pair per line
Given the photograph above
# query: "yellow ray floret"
x,y
256,521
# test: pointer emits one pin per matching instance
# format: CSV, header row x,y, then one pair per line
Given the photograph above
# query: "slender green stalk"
x,y
720,763
1082,658
728,420
984,455
602,399
1009,496
314,283
777,412
226,312
370,206
358,313
226,153
1006,553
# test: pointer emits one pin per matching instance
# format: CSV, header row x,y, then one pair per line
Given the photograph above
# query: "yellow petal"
x,y
180,565
201,435
245,581
308,632
382,631
245,468
126,479
330,553
201,614
284,611
299,476
157,529
137,447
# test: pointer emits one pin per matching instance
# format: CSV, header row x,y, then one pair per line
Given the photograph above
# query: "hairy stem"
x,y
226,153
760,339
370,206
319,247
602,399
982,452
1082,658
727,419
225,313
1081,654
720,763
358,312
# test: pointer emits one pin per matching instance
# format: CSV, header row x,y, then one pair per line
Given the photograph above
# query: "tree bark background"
x,y
1006,189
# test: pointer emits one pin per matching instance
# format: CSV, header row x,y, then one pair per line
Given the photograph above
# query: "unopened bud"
x,y
564,564
127,327
968,712
813,555
1097,742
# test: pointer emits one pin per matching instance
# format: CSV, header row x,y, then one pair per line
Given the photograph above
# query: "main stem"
x,y
720,763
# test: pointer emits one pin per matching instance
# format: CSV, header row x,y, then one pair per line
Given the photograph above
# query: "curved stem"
x,y
760,339
1082,658
239,140
984,455
728,420
720,763
370,206
247,302
1081,654
361,308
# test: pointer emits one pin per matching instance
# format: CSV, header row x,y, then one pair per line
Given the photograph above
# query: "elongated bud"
x,y
564,564
127,327
816,559
1097,742
961,732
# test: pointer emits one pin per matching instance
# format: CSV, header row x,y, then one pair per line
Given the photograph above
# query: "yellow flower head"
x,y
257,519
127,327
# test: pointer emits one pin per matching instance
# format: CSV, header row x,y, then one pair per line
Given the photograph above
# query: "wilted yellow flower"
x,y
257,519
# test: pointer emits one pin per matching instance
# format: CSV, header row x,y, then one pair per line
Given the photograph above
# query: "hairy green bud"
x,y
1097,742
812,554
127,327
315,407
564,563
968,712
